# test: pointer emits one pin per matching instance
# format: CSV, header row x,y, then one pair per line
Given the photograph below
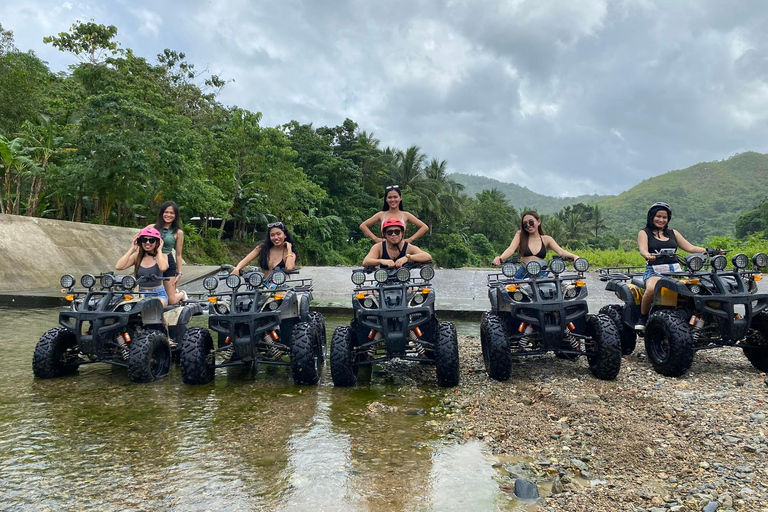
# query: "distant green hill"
x,y
706,199
518,196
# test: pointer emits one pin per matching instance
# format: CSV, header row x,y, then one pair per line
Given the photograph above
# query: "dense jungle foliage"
x,y
116,135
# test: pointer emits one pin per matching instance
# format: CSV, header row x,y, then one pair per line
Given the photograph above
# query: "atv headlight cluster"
x,y
67,281
128,282
518,295
368,302
127,307
210,283
581,264
509,269
233,281
571,292
695,288
740,261
358,277
419,298
427,273
557,266
533,268
381,275
403,274
221,308
695,262
87,281
278,277
107,280
255,279
719,262
273,305
760,260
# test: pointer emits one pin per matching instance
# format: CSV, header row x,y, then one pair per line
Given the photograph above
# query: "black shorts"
x,y
171,271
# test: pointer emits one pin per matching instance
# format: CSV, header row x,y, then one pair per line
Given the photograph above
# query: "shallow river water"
x,y
95,441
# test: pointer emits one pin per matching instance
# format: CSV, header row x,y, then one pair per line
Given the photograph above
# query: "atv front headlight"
x,y
571,292
358,277
255,279
533,268
368,302
381,275
210,283
581,264
557,266
719,262
221,308
740,261
107,280
233,281
760,260
509,269
695,288
67,281
278,277
87,281
273,305
419,298
127,307
695,262
403,274
427,273
518,296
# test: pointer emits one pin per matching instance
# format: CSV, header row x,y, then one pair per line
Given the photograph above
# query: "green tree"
x,y
90,42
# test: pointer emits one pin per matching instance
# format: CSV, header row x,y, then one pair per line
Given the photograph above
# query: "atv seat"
x,y
638,281
302,288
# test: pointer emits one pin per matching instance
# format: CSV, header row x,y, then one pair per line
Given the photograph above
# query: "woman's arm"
x,y
366,230
179,248
413,253
423,228
550,243
129,258
642,244
374,258
290,257
686,245
248,258
509,251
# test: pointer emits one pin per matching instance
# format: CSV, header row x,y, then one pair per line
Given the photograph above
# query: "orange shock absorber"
x,y
227,341
692,321
571,326
274,335
127,337
417,331
521,328
371,334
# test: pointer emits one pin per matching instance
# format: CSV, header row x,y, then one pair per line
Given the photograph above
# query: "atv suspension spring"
x,y
273,350
227,353
573,341
415,348
121,341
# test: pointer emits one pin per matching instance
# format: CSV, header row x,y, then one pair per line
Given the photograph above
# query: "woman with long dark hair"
x,y
393,208
276,251
532,243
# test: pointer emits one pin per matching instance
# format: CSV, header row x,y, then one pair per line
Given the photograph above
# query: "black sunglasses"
x,y
529,224
147,240
391,187
394,232
276,225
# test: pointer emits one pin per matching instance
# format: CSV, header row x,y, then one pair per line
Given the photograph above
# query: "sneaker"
x,y
186,297
640,325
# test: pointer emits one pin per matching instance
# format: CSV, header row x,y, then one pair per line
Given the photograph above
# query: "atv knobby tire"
x,y
758,352
305,357
318,323
50,359
627,335
495,347
605,362
198,363
447,355
669,344
343,370
150,356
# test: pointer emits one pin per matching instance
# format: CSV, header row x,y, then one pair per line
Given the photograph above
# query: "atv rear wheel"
x,y
495,347
52,356
198,363
150,357
669,344
318,323
627,335
305,358
758,353
447,355
605,361
343,370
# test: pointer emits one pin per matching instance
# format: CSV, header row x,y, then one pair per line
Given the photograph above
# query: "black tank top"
x,y
654,245
385,254
541,254
154,270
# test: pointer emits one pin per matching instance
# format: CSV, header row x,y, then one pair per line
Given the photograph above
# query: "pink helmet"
x,y
150,232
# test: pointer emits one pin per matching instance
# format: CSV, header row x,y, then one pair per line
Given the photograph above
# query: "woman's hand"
x,y
401,261
497,260
135,244
160,245
387,263
235,272
649,257
288,247
377,239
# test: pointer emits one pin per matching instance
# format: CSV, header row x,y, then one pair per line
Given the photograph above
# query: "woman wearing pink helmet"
x,y
147,257
394,251
393,208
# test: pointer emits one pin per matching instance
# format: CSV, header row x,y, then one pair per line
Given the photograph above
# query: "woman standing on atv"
x,y
657,235
173,238
393,208
394,251
276,251
147,257
532,243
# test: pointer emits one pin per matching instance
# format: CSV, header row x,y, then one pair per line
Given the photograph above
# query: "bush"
x,y
450,251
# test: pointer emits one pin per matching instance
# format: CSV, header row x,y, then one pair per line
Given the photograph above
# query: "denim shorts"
x,y
160,290
522,273
651,272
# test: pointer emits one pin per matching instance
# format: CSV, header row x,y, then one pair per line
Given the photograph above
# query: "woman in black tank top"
x,y
394,251
657,235
276,251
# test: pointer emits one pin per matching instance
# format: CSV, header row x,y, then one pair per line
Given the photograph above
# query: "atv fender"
x,y
304,307
623,291
151,311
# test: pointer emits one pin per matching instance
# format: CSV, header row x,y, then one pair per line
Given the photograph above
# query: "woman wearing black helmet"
x,y
657,235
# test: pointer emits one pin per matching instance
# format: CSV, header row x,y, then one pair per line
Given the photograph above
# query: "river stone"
x,y
557,486
711,506
579,464
526,490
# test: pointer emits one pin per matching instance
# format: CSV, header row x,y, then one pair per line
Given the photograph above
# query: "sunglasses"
x,y
147,240
393,232
529,224
392,187
276,225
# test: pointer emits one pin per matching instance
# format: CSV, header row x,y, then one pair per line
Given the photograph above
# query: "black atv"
x,y
112,325
394,317
260,320
542,313
702,306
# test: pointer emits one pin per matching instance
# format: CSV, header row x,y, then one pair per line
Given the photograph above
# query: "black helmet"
x,y
655,207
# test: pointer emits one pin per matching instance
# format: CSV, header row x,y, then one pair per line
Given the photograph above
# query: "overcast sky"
x,y
564,97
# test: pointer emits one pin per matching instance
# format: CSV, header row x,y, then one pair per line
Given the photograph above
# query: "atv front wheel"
x,y
318,323
198,363
305,361
52,356
343,370
150,357
627,335
495,347
605,361
669,344
758,352
447,355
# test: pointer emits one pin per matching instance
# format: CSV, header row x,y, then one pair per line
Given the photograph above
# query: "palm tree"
x,y
15,163
406,169
46,146
598,220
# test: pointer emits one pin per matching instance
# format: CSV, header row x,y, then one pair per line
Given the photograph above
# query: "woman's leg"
x,y
645,303
174,296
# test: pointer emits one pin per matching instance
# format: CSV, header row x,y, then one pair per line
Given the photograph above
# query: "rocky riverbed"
x,y
643,442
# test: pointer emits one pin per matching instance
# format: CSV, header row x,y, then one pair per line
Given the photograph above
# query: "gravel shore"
x,y
643,442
